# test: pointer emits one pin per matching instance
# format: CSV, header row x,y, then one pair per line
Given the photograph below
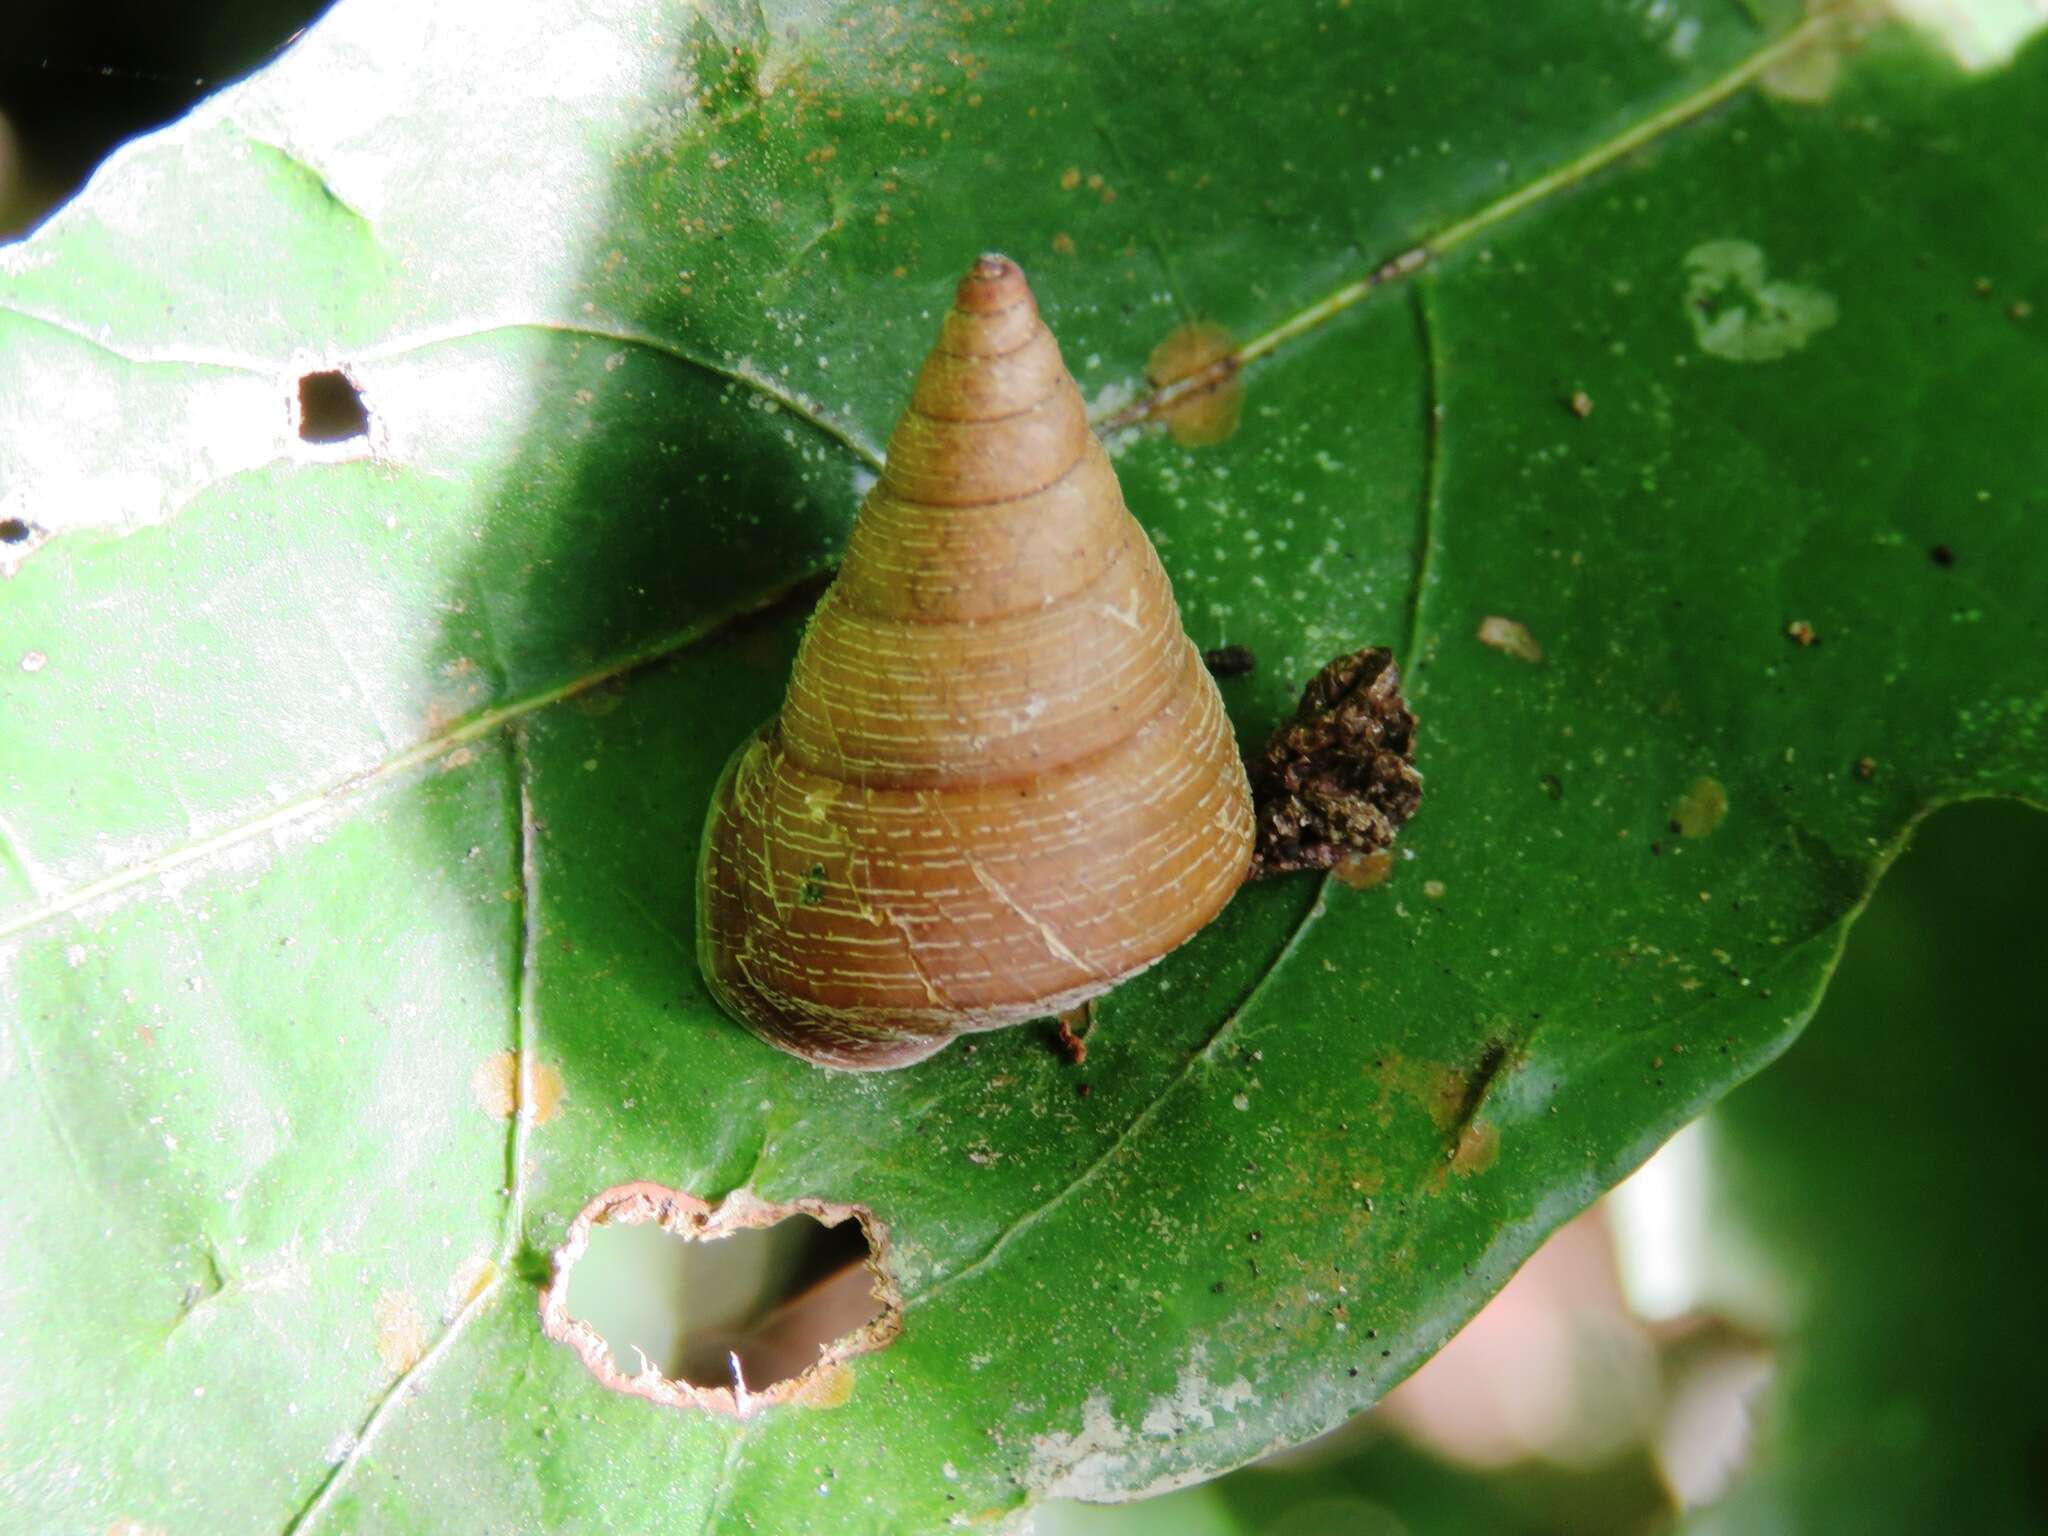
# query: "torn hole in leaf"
x,y
331,408
727,1308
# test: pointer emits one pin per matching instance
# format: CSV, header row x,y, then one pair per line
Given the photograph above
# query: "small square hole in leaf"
x,y
331,408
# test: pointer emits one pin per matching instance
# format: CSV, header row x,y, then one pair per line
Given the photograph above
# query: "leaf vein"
x,y
424,751
413,1378
1206,1051
1560,178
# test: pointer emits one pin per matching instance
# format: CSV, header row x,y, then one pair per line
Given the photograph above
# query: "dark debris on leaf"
x,y
1339,778
1230,661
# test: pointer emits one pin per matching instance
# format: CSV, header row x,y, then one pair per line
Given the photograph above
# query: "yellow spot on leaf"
x,y
471,1279
401,1331
1363,871
1700,809
830,1387
493,1086
1208,413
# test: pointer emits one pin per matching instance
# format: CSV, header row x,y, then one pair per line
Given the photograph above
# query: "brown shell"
x,y
1002,781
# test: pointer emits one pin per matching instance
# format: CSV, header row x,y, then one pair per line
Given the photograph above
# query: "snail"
x,y
1002,780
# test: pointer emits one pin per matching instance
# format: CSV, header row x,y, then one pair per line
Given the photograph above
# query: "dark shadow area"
x,y
78,80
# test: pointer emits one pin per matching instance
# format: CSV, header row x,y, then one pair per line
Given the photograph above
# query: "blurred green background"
x,y
1818,1310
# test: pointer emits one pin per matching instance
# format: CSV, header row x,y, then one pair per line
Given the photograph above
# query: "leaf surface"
x,y
330,772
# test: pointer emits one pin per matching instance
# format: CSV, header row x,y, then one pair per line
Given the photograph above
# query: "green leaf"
x,y
331,771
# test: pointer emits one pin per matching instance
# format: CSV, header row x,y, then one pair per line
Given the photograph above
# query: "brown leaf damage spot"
x,y
1204,355
1478,1146
1439,1089
827,1382
1452,1095
401,1331
497,1092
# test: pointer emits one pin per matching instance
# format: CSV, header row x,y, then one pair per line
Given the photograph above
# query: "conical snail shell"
x,y
1002,780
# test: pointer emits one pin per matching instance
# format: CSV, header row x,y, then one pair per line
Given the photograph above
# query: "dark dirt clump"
x,y
1339,778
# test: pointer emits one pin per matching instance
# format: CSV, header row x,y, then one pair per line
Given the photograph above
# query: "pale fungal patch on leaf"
x,y
1510,636
1700,809
1086,1464
132,1528
1107,1460
828,1383
1195,1401
492,1086
401,1331
1743,315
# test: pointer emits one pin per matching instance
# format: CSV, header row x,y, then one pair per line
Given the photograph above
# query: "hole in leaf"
x,y
331,408
769,1298
13,530
724,1307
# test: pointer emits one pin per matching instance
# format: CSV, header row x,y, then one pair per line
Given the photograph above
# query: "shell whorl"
x,y
1002,780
